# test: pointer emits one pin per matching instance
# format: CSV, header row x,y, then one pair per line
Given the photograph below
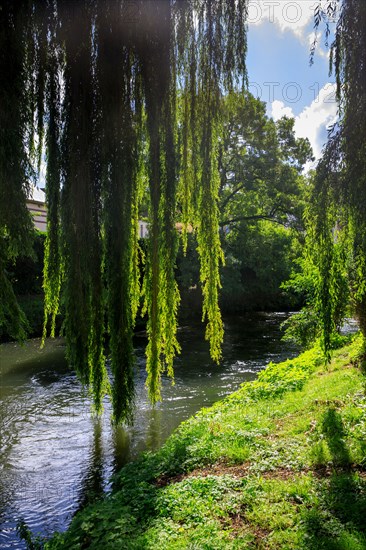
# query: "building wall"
x,y
39,214
37,207
143,230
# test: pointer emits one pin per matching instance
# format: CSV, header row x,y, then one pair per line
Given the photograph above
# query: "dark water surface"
x,y
54,453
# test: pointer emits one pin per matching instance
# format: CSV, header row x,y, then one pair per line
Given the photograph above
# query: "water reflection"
x,y
121,447
55,456
153,435
92,482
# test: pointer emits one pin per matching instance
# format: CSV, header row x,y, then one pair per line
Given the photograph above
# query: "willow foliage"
x,y
16,99
120,95
339,216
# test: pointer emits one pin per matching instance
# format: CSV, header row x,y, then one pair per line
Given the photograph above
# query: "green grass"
x,y
281,463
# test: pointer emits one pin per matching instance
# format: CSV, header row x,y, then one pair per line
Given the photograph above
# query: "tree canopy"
x,y
99,86
260,164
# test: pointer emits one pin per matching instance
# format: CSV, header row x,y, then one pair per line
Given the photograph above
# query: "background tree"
x,y
260,164
261,205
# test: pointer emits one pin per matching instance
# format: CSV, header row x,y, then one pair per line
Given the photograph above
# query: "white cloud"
x,y
279,110
296,16
313,121
315,118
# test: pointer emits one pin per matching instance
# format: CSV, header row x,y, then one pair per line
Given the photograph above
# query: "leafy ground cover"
x,y
281,463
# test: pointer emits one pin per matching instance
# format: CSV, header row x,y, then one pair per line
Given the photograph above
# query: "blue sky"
x,y
280,33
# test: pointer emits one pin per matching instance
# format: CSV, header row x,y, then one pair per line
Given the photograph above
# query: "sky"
x,y
280,34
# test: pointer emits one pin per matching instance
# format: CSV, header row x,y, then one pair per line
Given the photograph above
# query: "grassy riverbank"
x,y
281,463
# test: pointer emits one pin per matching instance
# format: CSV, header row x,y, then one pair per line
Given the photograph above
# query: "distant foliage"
x,y
308,282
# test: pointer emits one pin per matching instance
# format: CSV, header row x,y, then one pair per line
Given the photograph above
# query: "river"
x,y
55,455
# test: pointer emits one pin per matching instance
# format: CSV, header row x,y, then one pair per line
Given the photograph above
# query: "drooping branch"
x,y
341,175
106,92
270,217
15,137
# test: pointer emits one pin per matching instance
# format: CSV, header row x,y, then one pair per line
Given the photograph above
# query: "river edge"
x,y
57,455
280,463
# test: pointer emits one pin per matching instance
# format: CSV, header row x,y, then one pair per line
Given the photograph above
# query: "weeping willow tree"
x,y
118,96
338,213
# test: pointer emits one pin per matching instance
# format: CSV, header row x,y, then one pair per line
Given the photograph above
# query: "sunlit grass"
x,y
279,464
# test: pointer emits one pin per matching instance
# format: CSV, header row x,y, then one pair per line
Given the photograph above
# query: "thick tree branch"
x,y
270,217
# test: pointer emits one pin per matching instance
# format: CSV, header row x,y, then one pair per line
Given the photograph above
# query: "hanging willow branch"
x,y
53,261
126,96
340,191
16,46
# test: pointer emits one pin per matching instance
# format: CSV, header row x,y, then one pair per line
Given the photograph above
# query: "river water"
x,y
55,455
